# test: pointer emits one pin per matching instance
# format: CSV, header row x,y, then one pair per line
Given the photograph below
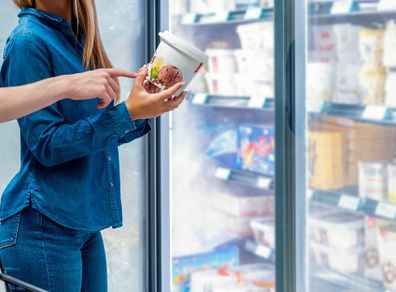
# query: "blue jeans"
x,y
41,252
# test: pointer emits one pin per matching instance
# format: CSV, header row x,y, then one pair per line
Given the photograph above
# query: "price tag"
x,y
223,173
374,113
190,18
264,182
386,210
263,251
315,106
253,13
256,102
387,5
200,98
344,6
349,202
221,16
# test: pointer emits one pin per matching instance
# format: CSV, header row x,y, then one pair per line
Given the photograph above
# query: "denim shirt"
x,y
69,151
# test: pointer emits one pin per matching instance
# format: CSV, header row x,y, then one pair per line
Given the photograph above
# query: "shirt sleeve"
x,y
50,139
143,127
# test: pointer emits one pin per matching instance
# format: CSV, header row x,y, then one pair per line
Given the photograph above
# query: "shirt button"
x,y
109,158
126,131
111,184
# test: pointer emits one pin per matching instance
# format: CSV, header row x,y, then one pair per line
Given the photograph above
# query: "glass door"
x,y
351,143
221,150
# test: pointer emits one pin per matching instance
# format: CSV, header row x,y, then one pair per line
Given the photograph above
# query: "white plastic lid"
x,y
184,46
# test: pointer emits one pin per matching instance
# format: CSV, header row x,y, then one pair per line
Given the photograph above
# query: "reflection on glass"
x,y
351,145
222,153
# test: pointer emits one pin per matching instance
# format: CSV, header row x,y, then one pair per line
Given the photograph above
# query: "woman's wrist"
x,y
59,87
132,109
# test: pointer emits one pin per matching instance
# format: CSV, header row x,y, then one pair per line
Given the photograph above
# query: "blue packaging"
x,y
256,149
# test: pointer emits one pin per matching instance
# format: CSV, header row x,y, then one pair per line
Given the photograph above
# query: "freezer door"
x,y
218,225
351,142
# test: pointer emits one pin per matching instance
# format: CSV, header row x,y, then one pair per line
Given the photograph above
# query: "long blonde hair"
x,y
84,13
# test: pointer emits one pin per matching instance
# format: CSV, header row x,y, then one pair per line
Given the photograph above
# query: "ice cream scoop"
x,y
169,75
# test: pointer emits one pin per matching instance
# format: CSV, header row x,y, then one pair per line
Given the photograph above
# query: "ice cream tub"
x,y
222,61
373,180
341,230
175,61
347,261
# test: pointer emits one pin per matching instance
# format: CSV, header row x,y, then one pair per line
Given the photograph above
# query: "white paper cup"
x,y
174,61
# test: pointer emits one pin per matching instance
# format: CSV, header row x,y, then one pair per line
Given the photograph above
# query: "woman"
x,y
16,102
68,186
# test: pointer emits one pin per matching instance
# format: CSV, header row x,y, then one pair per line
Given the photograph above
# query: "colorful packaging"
x,y
174,61
184,266
371,48
256,149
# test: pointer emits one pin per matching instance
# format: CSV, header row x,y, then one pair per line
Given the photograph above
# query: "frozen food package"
x,y
263,62
264,231
390,44
346,84
341,230
371,48
222,61
256,145
387,255
326,160
373,180
390,89
347,39
257,36
371,247
372,86
224,148
174,61
252,87
242,205
320,78
222,84
347,261
222,279
325,44
392,182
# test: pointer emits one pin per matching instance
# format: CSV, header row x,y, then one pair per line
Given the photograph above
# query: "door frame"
x,y
290,129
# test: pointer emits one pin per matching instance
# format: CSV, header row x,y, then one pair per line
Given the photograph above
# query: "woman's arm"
x,y
16,102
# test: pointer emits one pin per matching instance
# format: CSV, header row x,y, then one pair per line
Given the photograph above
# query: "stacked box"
x,y
325,160
362,142
387,255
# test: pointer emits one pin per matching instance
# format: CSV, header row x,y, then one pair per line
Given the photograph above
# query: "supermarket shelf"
x,y
260,250
246,178
225,17
320,12
347,199
349,282
239,102
369,114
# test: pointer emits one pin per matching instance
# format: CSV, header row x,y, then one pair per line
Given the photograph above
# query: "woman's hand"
x,y
143,105
97,83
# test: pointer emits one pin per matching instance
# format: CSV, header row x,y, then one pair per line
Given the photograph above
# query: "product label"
x,y
200,98
315,105
264,182
223,173
263,251
349,202
256,102
374,113
344,6
221,16
386,210
387,5
253,13
190,18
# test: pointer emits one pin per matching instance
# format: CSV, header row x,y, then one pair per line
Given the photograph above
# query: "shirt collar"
x,y
48,18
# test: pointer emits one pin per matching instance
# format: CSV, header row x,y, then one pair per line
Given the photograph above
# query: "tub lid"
x,y
184,46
